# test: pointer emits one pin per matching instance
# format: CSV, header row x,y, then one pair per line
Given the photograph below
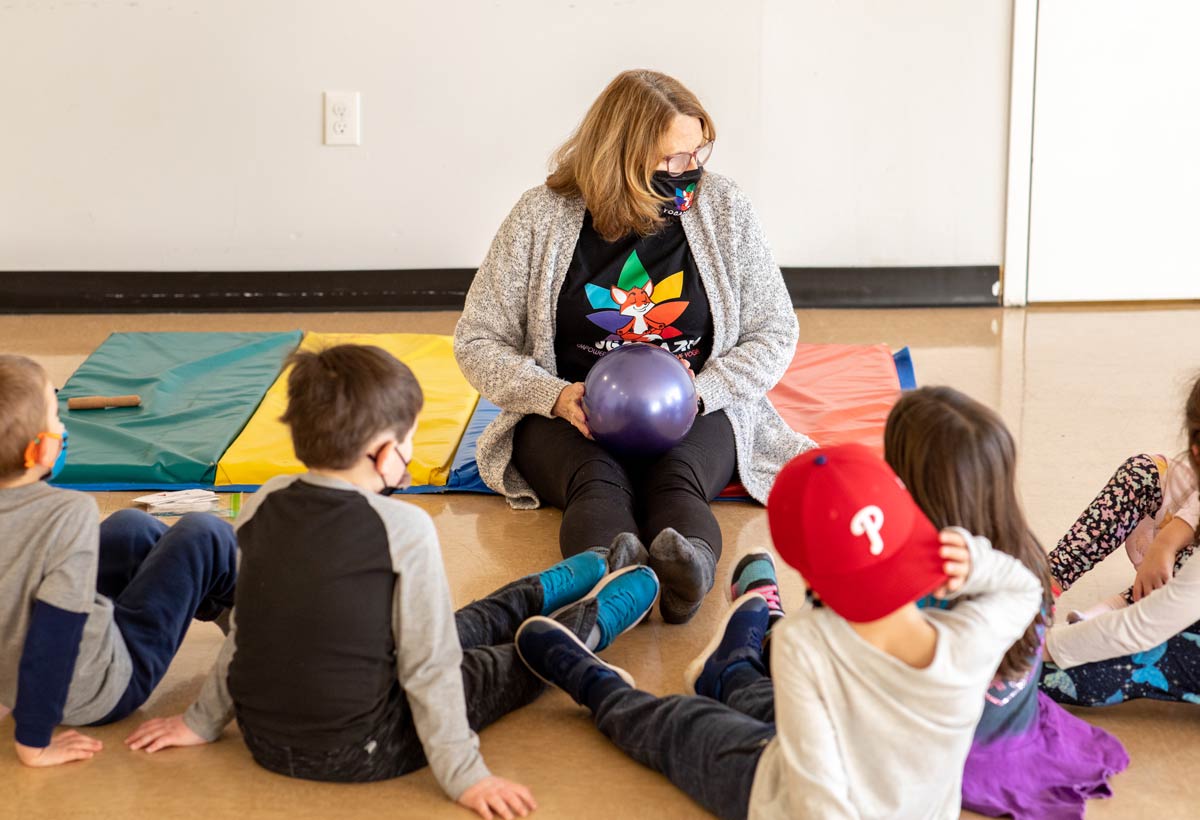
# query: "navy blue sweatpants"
x,y
159,579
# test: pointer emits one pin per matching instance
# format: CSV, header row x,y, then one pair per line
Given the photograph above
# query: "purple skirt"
x,y
1048,772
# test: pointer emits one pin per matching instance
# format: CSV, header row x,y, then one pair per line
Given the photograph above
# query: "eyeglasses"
x,y
678,163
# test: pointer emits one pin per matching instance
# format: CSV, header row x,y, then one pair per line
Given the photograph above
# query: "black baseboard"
x,y
442,289
956,286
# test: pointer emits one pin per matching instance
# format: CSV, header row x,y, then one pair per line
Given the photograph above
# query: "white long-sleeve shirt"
x,y
1143,625
861,734
1160,615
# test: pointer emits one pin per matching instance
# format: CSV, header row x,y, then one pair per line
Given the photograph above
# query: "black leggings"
x,y
602,495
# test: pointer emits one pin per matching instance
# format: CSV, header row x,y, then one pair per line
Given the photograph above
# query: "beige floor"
x,y
1081,389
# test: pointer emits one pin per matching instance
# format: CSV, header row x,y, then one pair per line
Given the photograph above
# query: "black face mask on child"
x,y
405,480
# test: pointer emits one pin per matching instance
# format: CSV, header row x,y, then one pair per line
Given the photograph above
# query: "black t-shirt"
x,y
637,289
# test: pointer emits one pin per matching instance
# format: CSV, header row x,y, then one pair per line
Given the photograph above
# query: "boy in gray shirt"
x,y
345,661
93,613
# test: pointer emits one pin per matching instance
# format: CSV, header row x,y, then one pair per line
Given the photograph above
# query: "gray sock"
x,y
627,550
687,568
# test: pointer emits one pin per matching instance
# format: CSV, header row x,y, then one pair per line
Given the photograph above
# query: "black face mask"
x,y
678,191
405,479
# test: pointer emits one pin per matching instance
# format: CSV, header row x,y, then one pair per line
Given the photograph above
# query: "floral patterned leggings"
x,y
1133,493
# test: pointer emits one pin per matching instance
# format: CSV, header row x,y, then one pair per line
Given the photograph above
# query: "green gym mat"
x,y
198,390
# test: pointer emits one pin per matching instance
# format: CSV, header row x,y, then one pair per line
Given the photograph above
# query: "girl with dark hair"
x,y
1030,758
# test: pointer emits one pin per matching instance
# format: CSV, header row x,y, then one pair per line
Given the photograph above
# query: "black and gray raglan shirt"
x,y
341,596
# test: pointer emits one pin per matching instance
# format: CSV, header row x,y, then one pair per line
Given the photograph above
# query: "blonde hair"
x,y
610,158
22,410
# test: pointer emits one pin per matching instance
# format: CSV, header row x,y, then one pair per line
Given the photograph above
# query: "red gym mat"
x,y
836,394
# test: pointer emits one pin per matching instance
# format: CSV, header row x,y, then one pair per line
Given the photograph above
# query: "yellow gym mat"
x,y
264,447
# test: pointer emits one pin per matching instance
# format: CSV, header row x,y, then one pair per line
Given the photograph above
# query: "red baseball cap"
x,y
842,518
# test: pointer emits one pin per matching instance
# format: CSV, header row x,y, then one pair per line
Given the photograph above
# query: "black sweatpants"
x,y
602,495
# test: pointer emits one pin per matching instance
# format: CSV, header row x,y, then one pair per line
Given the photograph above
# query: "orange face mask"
x,y
38,450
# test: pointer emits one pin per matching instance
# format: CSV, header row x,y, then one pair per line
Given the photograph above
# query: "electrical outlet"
x,y
342,125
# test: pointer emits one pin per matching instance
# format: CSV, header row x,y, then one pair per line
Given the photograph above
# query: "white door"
x,y
1115,192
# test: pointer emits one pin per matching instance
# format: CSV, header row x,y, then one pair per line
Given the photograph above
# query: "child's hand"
x,y
1157,567
64,747
163,733
499,796
569,406
957,562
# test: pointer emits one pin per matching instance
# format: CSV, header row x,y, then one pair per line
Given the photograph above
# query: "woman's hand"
x,y
64,747
163,733
687,366
569,406
496,797
957,564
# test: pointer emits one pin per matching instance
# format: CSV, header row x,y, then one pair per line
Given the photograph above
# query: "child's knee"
x,y
1142,470
205,528
131,524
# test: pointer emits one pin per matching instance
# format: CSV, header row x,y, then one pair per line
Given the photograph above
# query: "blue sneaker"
x,y
568,581
623,600
738,640
554,654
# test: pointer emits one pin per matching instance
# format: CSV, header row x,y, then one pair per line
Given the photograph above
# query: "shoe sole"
x,y
696,667
605,581
625,676
733,573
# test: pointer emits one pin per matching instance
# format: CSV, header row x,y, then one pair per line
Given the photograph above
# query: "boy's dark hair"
x,y
960,463
342,397
22,410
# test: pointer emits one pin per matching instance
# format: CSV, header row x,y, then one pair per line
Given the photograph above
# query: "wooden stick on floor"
x,y
102,402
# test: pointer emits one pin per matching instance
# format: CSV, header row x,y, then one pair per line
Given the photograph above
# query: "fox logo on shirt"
x,y
869,522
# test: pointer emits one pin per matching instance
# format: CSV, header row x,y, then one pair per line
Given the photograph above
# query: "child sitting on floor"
x,y
345,661
94,612
1030,758
1145,642
874,701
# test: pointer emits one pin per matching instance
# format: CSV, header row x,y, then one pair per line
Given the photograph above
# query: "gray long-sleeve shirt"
x,y
360,578
50,553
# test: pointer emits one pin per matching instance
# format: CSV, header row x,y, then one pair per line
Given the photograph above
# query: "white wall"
x,y
1114,206
186,134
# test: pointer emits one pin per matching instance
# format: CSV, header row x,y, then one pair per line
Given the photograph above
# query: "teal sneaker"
x,y
737,640
622,600
568,581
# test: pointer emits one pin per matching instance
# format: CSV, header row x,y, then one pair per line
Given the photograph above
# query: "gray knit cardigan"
x,y
504,341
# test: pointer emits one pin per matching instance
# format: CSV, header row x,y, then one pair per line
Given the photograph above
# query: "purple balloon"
x,y
640,400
